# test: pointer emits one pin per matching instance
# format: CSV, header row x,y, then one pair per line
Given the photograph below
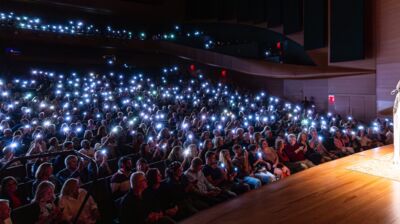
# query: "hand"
x,y
153,217
172,211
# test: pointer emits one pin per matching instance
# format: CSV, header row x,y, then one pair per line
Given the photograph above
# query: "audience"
x,y
173,121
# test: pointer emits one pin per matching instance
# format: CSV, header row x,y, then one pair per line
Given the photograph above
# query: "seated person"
x,y
45,172
9,191
120,180
157,196
142,165
177,190
262,169
296,153
100,156
74,168
8,155
203,189
134,208
242,167
86,149
43,209
216,175
70,200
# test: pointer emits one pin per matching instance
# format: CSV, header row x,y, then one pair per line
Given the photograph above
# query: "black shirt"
x,y
133,209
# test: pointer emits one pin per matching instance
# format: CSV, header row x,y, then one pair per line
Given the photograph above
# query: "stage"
x,y
329,193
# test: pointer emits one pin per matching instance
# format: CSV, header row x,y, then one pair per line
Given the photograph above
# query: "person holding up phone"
x,y
296,153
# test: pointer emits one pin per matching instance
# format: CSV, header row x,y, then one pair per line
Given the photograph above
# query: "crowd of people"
x,y
217,141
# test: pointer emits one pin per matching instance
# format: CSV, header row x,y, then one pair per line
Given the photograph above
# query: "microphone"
x,y
395,91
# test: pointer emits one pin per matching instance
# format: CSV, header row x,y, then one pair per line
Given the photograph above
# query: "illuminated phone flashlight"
x,y
353,133
349,118
114,130
38,136
376,128
184,125
65,129
320,138
190,136
104,152
360,127
79,129
14,145
236,169
186,152
259,155
46,123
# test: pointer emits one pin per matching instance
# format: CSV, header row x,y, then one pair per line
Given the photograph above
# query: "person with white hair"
x,y
134,208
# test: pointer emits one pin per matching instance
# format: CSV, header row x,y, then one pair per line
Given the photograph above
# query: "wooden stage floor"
x,y
328,193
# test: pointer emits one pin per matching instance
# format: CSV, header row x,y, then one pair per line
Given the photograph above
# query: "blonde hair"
x,y
69,186
41,190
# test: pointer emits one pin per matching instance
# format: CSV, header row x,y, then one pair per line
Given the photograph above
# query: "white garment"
x,y
70,207
396,136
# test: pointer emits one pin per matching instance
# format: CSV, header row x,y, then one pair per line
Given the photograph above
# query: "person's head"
x,y
85,144
218,141
237,149
142,165
279,144
207,145
44,192
100,156
8,152
4,210
302,137
138,182
71,162
68,145
44,171
9,185
196,164
291,139
252,148
338,134
174,170
263,143
224,156
125,163
176,153
70,188
210,158
153,177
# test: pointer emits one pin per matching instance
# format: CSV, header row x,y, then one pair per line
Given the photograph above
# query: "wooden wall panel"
x,y
388,51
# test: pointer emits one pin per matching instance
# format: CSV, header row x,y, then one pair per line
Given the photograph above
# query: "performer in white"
x,y
396,125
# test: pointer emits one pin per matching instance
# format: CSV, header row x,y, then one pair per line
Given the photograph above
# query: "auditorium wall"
x,y
388,52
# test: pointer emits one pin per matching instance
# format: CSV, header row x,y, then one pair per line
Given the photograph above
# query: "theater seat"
x,y
101,193
23,215
19,172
